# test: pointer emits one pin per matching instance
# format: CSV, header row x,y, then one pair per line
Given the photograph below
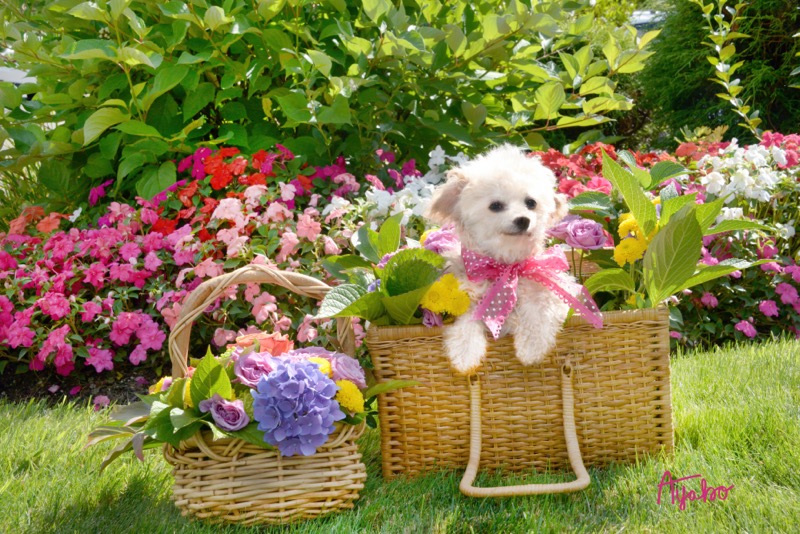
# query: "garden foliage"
x,y
677,84
124,88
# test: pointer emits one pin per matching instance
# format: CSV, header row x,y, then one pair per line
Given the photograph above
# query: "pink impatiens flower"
x,y
787,292
100,359
90,310
768,308
746,328
289,244
138,355
709,300
55,305
308,228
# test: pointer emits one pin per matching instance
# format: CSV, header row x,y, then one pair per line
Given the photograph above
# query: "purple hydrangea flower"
x,y
228,415
295,407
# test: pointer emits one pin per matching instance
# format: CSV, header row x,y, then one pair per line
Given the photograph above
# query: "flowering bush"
x,y
262,391
80,293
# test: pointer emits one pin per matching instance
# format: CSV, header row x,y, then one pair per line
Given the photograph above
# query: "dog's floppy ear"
x,y
562,209
443,205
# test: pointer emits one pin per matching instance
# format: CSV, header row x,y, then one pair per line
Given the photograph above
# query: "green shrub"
x,y
677,86
123,87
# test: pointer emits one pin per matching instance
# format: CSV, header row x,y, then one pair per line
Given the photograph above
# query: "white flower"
x,y
336,203
779,155
75,214
287,191
381,199
437,156
730,214
740,180
786,231
713,182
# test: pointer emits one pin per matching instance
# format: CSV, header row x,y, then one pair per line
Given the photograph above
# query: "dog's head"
x,y
502,204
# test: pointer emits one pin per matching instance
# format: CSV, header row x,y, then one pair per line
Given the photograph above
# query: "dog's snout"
x,y
522,223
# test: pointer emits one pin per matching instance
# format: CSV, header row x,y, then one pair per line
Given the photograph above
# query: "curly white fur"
x,y
502,204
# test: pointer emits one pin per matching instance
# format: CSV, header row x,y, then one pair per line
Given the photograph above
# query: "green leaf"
x,y
337,113
155,180
590,200
389,235
130,164
368,244
401,308
707,213
338,299
295,106
673,205
209,379
672,256
91,49
133,57
176,394
251,434
336,265
375,9
550,96
610,280
55,175
321,61
738,224
411,269
389,385
723,268
197,100
89,11
181,418
129,414
215,17
268,9
167,77
664,170
100,121
369,306
643,210
139,128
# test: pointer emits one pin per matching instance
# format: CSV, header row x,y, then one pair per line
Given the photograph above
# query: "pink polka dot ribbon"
x,y
500,299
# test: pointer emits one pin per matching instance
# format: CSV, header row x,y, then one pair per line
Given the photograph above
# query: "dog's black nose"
x,y
522,223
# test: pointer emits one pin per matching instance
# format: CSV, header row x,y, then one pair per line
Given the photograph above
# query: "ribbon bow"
x,y
544,268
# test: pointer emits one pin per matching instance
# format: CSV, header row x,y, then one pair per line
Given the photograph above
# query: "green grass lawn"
x,y
737,422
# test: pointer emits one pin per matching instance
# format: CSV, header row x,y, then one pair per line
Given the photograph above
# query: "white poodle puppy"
x,y
502,204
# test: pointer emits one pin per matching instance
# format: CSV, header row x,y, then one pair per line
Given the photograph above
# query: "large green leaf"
x,y
100,121
591,201
209,379
707,213
411,269
389,235
369,306
401,308
610,280
55,176
167,76
368,244
664,170
139,128
337,265
181,418
156,179
295,106
673,205
672,256
251,434
549,96
643,210
338,299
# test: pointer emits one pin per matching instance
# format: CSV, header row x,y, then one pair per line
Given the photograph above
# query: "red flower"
x,y
164,226
306,182
185,195
186,213
221,179
238,166
253,179
204,235
210,205
228,152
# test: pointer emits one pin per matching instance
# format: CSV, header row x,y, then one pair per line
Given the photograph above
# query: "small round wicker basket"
x,y
232,481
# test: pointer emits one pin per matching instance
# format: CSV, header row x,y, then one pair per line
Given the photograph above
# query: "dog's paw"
x,y
531,349
465,343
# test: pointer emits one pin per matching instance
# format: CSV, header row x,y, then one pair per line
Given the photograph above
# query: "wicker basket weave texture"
x,y
230,480
621,384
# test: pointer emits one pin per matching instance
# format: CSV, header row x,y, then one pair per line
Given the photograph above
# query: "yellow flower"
x,y
324,366
424,236
349,396
629,250
627,225
187,397
446,296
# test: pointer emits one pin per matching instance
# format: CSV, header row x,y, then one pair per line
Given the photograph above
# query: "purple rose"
x,y
559,231
345,367
228,415
252,366
442,240
431,319
585,234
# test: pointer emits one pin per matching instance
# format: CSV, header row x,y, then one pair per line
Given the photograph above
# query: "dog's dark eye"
x,y
530,203
497,206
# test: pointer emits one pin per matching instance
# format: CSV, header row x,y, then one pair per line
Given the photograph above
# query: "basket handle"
x,y
206,293
573,449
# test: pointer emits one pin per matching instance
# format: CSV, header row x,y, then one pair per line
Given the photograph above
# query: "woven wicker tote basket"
x,y
230,480
517,418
